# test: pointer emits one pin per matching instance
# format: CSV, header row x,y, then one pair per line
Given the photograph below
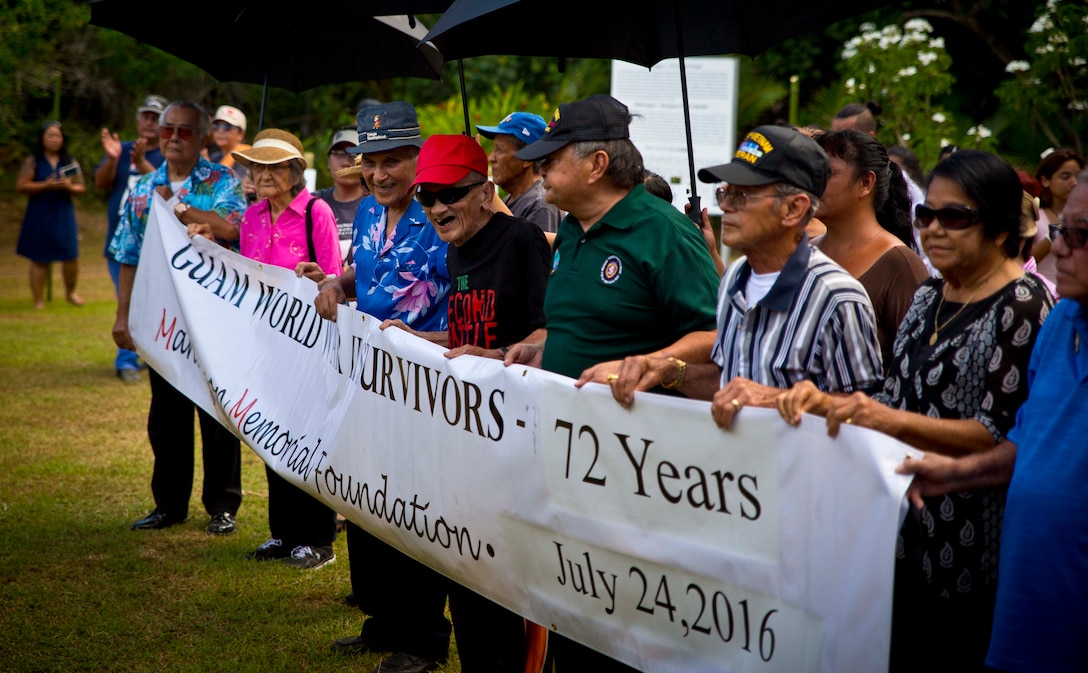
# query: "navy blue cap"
x,y
386,127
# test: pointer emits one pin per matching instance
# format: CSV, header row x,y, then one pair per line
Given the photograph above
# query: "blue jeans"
x,y
125,359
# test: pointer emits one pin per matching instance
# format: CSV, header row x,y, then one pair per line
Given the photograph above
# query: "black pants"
x,y
490,638
405,599
170,429
296,517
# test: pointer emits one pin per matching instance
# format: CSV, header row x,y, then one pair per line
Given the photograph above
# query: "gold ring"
x,y
849,421
736,403
612,377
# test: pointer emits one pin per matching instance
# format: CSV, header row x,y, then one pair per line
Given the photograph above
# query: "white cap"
x,y
231,115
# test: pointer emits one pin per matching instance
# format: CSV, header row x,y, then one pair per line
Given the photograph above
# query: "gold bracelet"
x,y
681,372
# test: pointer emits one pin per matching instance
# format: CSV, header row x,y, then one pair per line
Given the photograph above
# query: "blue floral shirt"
x,y
403,277
209,187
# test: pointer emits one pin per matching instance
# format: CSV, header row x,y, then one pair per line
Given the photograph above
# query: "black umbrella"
x,y
329,42
642,34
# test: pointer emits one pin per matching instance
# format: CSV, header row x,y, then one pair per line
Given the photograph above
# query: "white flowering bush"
x,y
1050,88
905,69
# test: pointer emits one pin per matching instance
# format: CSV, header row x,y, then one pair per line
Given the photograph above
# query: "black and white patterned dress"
x,y
946,559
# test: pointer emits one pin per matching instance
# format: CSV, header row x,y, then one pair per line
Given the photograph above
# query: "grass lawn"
x,y
79,591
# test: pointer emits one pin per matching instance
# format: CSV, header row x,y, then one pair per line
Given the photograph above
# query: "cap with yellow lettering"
x,y
771,154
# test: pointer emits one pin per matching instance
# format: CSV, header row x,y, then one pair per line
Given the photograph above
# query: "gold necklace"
x,y
937,328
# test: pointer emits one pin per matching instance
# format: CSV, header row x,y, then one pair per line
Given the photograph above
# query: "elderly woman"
x,y
957,377
288,227
866,209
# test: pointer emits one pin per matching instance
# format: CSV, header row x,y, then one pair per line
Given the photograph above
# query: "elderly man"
x,y
786,312
630,274
1041,614
518,177
118,172
501,262
205,193
399,274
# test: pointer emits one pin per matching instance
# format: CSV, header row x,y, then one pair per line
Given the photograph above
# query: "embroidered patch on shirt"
x,y
611,270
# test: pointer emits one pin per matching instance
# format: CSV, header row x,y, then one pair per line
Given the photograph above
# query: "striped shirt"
x,y
815,324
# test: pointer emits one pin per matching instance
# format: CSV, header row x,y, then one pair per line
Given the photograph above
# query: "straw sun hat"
x,y
355,171
271,146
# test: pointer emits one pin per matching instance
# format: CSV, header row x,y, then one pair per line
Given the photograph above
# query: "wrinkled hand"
x,y
858,409
329,299
197,229
737,394
138,149
492,353
934,474
803,397
625,377
111,144
524,354
310,270
165,192
121,335
399,324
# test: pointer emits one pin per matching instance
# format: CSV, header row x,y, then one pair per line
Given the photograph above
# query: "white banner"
x,y
649,534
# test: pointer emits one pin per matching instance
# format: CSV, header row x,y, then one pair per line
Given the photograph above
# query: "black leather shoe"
x,y
353,645
405,663
156,519
222,523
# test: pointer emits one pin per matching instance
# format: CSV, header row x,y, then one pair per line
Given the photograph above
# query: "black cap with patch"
x,y
772,154
599,117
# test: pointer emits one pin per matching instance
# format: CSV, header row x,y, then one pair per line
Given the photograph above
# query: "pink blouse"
x,y
283,243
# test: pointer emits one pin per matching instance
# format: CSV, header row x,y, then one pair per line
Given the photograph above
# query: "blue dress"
x,y
49,231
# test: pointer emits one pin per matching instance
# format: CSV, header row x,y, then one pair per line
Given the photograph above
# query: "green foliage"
x,y
905,70
757,94
1051,89
447,117
32,36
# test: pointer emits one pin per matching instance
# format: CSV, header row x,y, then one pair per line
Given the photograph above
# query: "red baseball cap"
x,y
444,160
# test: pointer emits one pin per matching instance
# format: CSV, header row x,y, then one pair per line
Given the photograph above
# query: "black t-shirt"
x,y
498,280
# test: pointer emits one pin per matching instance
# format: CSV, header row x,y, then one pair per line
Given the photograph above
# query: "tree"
x,y
1051,87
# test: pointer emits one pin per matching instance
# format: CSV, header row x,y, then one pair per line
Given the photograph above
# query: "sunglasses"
x,y
223,126
447,196
950,217
185,133
1074,237
340,154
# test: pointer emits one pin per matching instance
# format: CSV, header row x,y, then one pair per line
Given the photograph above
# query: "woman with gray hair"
x,y
288,227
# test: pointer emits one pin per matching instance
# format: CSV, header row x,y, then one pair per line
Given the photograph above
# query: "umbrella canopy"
x,y
328,43
642,34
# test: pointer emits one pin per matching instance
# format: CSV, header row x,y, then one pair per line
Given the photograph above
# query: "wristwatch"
x,y
180,209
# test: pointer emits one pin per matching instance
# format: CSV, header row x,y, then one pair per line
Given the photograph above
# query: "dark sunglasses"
x,y
223,126
185,133
1074,237
447,196
950,217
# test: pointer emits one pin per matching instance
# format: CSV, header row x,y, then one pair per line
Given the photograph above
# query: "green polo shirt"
x,y
637,281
